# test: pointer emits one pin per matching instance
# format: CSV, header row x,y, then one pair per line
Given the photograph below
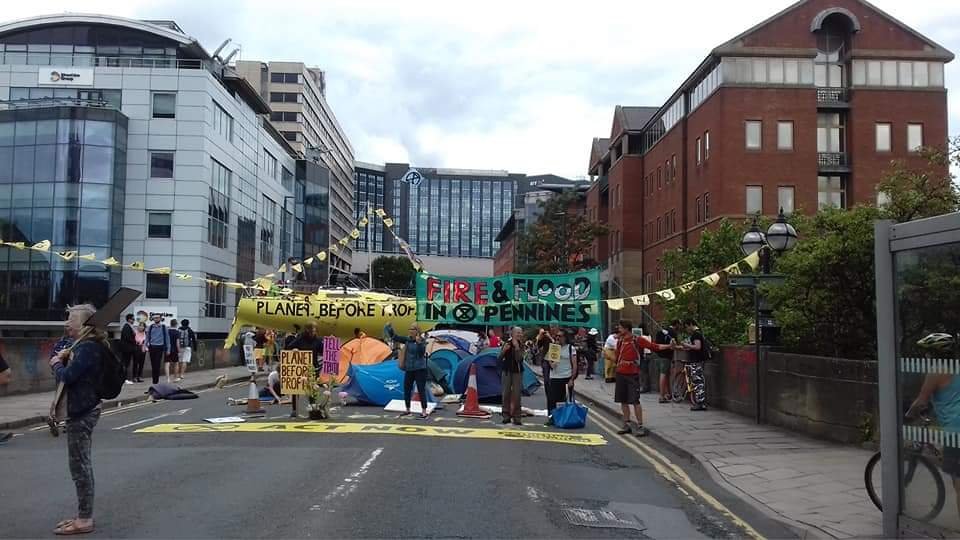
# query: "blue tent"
x,y
377,384
448,361
456,341
488,377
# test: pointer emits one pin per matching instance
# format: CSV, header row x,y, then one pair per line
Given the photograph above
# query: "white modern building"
x,y
127,139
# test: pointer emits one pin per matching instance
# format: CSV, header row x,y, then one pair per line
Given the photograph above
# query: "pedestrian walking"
x,y
697,349
140,355
413,362
562,374
5,377
79,370
128,347
666,336
627,389
173,353
158,345
188,344
510,362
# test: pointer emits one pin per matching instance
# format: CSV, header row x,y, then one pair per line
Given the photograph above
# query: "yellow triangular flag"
x,y
283,268
344,241
388,222
641,300
88,257
264,284
355,234
18,245
733,269
712,279
308,261
753,260
666,294
160,270
234,285
43,245
322,256
110,261
298,268
615,304
687,286
363,221
67,255
333,249
381,212
136,265
184,277
213,282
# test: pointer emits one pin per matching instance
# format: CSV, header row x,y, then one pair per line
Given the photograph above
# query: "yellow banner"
x,y
296,372
583,439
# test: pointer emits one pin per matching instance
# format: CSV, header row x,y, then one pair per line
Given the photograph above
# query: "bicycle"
x,y
680,387
917,457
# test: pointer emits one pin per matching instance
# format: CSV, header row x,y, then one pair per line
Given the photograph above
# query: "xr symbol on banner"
x,y
464,313
413,177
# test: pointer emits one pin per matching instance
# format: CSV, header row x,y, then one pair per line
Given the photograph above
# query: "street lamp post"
x,y
780,237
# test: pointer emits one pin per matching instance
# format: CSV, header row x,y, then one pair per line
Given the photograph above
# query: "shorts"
x,y
663,365
173,358
951,461
627,389
186,354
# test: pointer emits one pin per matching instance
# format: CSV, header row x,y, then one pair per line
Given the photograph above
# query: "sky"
x,y
516,85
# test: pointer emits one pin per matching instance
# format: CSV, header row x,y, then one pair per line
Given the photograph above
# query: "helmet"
x,y
937,341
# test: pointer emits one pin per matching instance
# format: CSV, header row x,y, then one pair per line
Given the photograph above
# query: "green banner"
x,y
511,299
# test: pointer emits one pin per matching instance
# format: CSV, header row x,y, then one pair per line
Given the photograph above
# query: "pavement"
x,y
25,409
816,487
163,472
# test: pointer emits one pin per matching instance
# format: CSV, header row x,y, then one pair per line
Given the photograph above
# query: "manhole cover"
x,y
602,518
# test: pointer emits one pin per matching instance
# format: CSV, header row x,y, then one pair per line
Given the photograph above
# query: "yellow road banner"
x,y
585,439
296,372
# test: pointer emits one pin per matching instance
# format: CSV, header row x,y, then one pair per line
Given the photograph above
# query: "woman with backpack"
x,y
562,374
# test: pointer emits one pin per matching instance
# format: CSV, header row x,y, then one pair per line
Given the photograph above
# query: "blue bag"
x,y
570,415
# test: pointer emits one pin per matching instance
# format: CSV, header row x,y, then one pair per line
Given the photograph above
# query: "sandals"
x,y
424,416
68,527
401,415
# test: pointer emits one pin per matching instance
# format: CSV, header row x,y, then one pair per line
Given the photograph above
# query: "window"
x,y
288,78
673,167
158,225
831,192
914,137
161,164
706,145
829,133
218,206
158,286
659,178
216,305
286,178
785,135
270,164
699,151
706,206
699,210
753,134
754,200
164,105
659,228
785,199
284,97
673,220
883,137
666,172
222,122
290,135
268,218
284,117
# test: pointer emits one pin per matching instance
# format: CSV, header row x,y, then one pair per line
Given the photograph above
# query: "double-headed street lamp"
x,y
780,237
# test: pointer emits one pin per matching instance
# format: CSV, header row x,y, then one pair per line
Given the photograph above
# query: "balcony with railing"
x,y
833,162
833,97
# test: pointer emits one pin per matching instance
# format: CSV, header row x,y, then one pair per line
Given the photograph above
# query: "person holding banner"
x,y
562,374
413,362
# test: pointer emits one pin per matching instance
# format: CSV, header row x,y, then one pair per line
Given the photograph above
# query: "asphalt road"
x,y
279,484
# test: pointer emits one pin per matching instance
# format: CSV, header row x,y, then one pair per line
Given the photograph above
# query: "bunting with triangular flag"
x,y
43,245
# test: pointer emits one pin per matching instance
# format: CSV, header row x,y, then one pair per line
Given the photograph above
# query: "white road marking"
x,y
349,484
181,412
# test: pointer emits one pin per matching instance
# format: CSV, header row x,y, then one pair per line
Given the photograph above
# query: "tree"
x,y
393,273
559,241
928,191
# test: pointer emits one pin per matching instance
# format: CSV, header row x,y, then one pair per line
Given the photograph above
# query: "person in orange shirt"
x,y
627,389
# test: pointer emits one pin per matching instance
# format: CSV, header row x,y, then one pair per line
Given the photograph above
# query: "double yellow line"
x,y
672,473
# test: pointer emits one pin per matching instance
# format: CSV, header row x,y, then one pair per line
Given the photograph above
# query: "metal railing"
x,y
832,160
42,103
832,95
83,60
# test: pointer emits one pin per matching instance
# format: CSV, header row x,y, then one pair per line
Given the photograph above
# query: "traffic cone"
x,y
253,399
471,409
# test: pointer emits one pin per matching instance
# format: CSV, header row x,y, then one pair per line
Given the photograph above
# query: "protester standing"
x,y
158,345
414,365
188,343
666,336
591,351
173,353
128,347
562,374
140,336
544,339
627,390
80,378
697,353
511,377
610,358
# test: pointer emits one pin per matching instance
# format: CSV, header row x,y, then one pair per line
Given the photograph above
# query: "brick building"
x,y
804,110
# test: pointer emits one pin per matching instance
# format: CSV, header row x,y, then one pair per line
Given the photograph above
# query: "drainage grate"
x,y
603,518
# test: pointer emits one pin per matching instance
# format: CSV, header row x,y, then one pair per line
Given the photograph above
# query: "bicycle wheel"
x,y
868,479
678,387
925,501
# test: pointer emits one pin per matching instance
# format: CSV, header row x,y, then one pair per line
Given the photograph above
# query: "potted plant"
x,y
321,396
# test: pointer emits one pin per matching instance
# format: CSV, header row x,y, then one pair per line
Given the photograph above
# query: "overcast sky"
x,y
516,85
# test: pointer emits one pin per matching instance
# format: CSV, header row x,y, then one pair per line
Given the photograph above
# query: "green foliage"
x,y
722,313
922,192
393,273
559,241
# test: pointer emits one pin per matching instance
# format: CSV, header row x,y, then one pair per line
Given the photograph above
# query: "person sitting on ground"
x,y
272,388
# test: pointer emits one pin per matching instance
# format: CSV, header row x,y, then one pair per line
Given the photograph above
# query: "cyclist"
x,y
943,392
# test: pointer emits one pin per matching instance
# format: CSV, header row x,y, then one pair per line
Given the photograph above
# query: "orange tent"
x,y
362,351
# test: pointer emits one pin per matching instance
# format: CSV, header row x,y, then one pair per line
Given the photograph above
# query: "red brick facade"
x,y
658,195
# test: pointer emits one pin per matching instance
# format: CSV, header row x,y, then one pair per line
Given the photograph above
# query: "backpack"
x,y
112,374
185,335
709,350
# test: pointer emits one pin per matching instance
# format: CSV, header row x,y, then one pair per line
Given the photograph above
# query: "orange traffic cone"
x,y
471,409
253,399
